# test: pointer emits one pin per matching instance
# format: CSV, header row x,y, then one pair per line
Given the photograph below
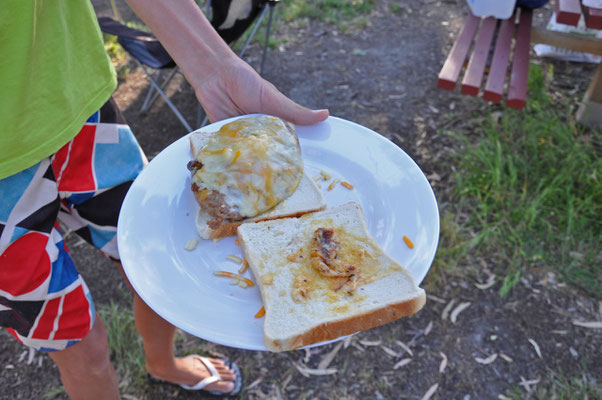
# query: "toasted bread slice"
x,y
305,199
303,306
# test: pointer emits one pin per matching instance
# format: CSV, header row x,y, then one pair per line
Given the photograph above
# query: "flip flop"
x,y
210,379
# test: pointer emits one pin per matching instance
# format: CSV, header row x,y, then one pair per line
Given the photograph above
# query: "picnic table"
x,y
507,57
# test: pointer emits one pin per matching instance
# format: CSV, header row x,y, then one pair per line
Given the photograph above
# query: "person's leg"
x,y
86,371
158,338
90,207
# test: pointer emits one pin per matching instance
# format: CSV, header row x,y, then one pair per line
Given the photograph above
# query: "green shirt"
x,y
54,74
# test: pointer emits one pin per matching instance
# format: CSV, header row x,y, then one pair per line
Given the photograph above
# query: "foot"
x,y
190,370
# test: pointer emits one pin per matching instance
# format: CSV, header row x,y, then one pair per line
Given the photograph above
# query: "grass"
x,y
529,183
560,387
344,14
125,345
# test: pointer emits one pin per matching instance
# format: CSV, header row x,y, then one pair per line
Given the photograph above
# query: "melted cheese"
x,y
361,252
254,162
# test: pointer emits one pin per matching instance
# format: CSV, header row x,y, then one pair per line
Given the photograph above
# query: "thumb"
x,y
277,104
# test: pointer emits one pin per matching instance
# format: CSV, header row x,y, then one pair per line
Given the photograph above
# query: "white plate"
x,y
157,220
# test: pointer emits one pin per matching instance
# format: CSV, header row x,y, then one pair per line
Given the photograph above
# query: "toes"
x,y
224,387
224,371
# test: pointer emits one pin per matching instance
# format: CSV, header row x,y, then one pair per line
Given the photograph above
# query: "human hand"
x,y
236,88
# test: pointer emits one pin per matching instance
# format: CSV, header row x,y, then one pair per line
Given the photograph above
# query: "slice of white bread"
x,y
305,199
385,293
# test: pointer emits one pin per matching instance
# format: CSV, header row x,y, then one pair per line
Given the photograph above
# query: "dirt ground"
x,y
382,76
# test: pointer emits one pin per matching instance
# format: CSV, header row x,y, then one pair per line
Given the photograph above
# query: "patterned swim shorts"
x,y
44,302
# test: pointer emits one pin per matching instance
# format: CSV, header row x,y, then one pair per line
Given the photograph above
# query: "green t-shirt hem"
x,y
64,136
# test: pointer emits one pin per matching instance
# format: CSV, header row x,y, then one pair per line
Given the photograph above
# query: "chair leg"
x,y
163,85
252,34
151,90
169,103
267,38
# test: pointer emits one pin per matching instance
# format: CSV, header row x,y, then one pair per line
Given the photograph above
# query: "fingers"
x,y
275,103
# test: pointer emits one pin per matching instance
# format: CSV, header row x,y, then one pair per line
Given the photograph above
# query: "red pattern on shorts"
x,y
29,253
80,154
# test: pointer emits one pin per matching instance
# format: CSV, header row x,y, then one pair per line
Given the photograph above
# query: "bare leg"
x,y
86,371
158,338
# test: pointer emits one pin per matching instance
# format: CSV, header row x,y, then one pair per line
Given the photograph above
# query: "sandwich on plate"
x,y
251,169
322,276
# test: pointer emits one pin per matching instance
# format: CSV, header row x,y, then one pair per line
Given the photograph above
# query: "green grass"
x,y
560,387
344,14
125,345
530,183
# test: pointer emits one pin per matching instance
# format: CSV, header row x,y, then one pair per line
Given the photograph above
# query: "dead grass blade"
x,y
31,355
307,356
347,341
302,370
484,286
256,382
369,343
447,309
527,384
429,393
325,362
428,328
461,307
287,380
389,351
443,362
317,372
486,361
589,324
357,346
405,347
536,347
435,298
506,358
401,363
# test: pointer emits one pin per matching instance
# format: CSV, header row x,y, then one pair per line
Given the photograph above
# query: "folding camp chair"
x,y
230,18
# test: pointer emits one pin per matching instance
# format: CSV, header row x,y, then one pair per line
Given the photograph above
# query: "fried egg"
x,y
247,167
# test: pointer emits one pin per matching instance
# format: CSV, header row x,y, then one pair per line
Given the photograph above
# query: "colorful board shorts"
x,y
44,302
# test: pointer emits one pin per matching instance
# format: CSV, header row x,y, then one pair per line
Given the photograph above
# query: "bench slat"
x,y
517,93
593,17
478,59
455,60
568,12
494,89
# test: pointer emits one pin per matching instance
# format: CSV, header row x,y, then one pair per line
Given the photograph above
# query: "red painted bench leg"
x,y
593,17
517,93
455,60
568,12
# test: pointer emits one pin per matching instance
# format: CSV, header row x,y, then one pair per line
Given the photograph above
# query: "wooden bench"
x,y
515,30
499,49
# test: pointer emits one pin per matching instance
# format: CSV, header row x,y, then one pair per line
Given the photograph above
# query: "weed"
x,y
341,13
560,387
54,392
530,183
125,345
452,252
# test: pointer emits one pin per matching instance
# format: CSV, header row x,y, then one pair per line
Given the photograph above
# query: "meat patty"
x,y
215,204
